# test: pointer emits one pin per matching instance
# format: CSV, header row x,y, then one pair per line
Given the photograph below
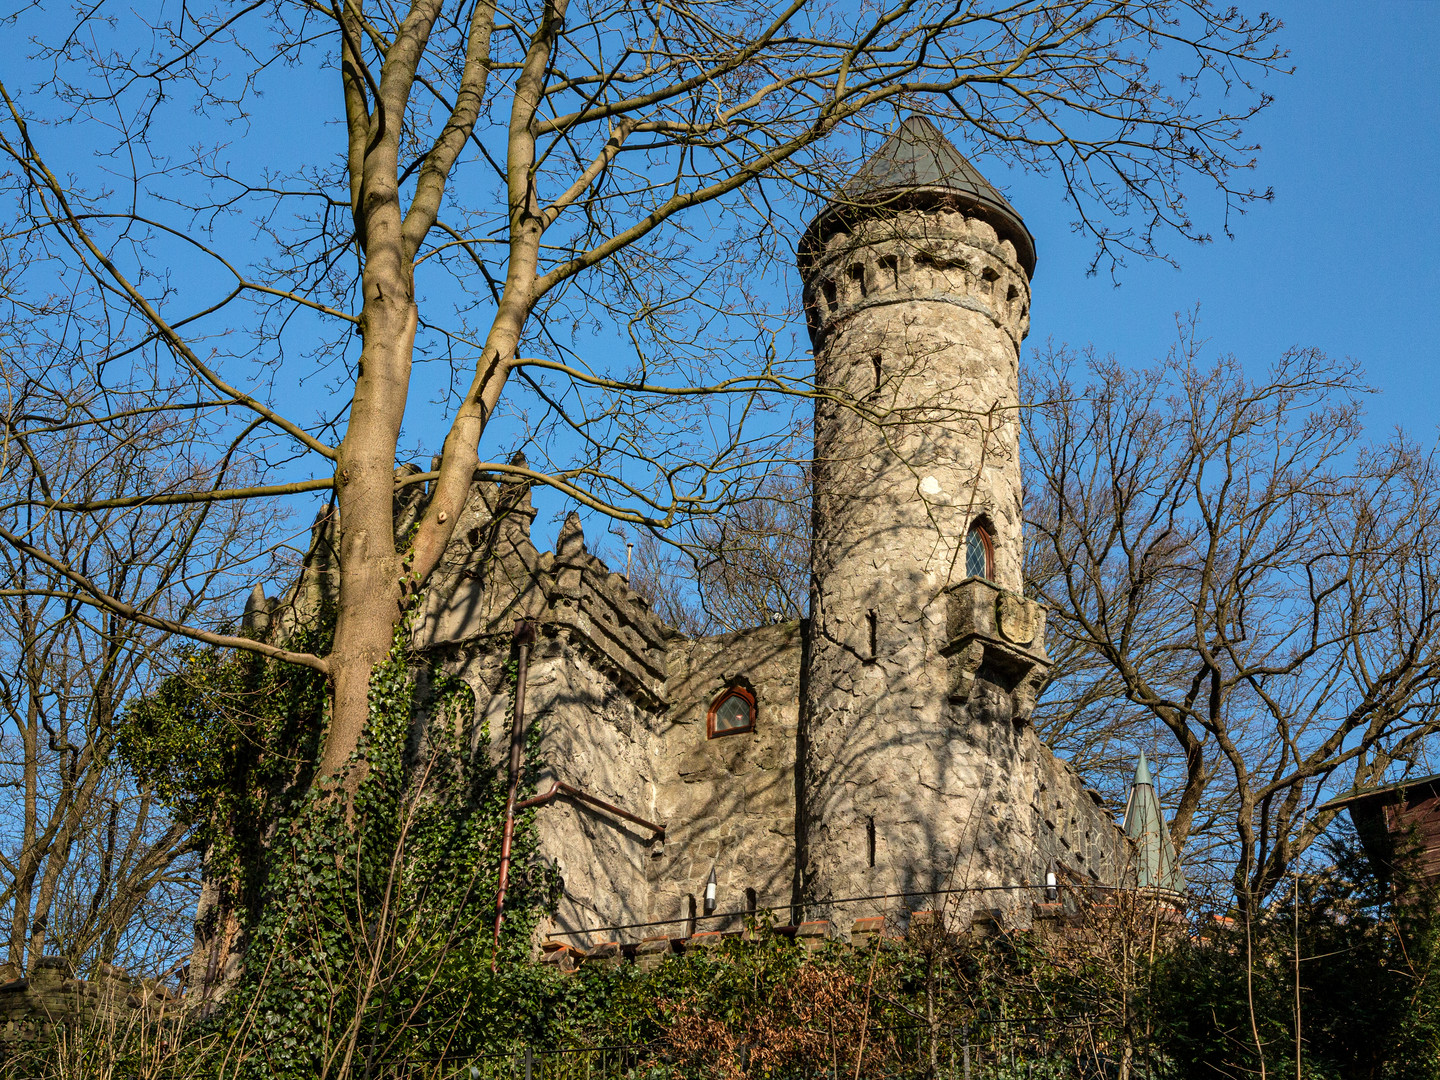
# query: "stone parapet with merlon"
x,y
492,576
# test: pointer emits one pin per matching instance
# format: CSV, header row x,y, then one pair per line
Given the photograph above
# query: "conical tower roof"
x,y
917,164
1155,863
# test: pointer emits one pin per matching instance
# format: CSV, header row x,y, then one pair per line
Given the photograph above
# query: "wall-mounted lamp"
x,y
710,892
1052,886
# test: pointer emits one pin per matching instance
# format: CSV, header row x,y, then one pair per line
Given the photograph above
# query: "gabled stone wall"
x,y
622,702
595,689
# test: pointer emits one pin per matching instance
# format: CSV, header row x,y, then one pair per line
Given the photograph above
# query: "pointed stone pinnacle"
x,y
571,541
257,611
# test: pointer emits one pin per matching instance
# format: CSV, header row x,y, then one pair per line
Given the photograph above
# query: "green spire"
x,y
1142,771
1155,862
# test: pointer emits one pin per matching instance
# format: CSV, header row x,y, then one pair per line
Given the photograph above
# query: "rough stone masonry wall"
x,y
917,318
1073,831
597,739
622,703
728,802
36,1009
932,440
594,688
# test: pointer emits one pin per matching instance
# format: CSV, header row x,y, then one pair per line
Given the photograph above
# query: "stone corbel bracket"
x,y
1001,631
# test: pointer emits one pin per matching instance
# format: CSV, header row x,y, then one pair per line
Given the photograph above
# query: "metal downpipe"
x,y
524,639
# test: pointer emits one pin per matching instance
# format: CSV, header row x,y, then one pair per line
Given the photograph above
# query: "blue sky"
x,y
1347,256
1345,259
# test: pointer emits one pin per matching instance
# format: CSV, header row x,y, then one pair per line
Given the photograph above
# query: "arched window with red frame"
x,y
979,552
732,713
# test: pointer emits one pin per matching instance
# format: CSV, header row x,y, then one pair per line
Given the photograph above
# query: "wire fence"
x,y
898,906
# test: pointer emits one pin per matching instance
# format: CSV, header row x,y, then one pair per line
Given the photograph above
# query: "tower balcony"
x,y
998,636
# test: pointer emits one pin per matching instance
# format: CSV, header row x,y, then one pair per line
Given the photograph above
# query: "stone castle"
x,y
871,760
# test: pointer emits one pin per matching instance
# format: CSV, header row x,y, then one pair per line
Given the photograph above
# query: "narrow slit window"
x,y
878,367
890,271
752,901
857,278
872,621
732,713
979,553
870,838
832,299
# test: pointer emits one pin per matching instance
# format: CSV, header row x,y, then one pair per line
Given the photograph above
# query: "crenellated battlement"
x,y
939,255
492,576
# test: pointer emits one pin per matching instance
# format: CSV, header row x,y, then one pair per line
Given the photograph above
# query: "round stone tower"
x,y
922,655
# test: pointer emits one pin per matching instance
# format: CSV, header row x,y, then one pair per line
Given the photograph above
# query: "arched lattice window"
x,y
979,553
732,713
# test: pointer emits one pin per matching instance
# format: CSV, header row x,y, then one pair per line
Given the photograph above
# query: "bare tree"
x,y
510,192
91,865
745,567
1228,564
